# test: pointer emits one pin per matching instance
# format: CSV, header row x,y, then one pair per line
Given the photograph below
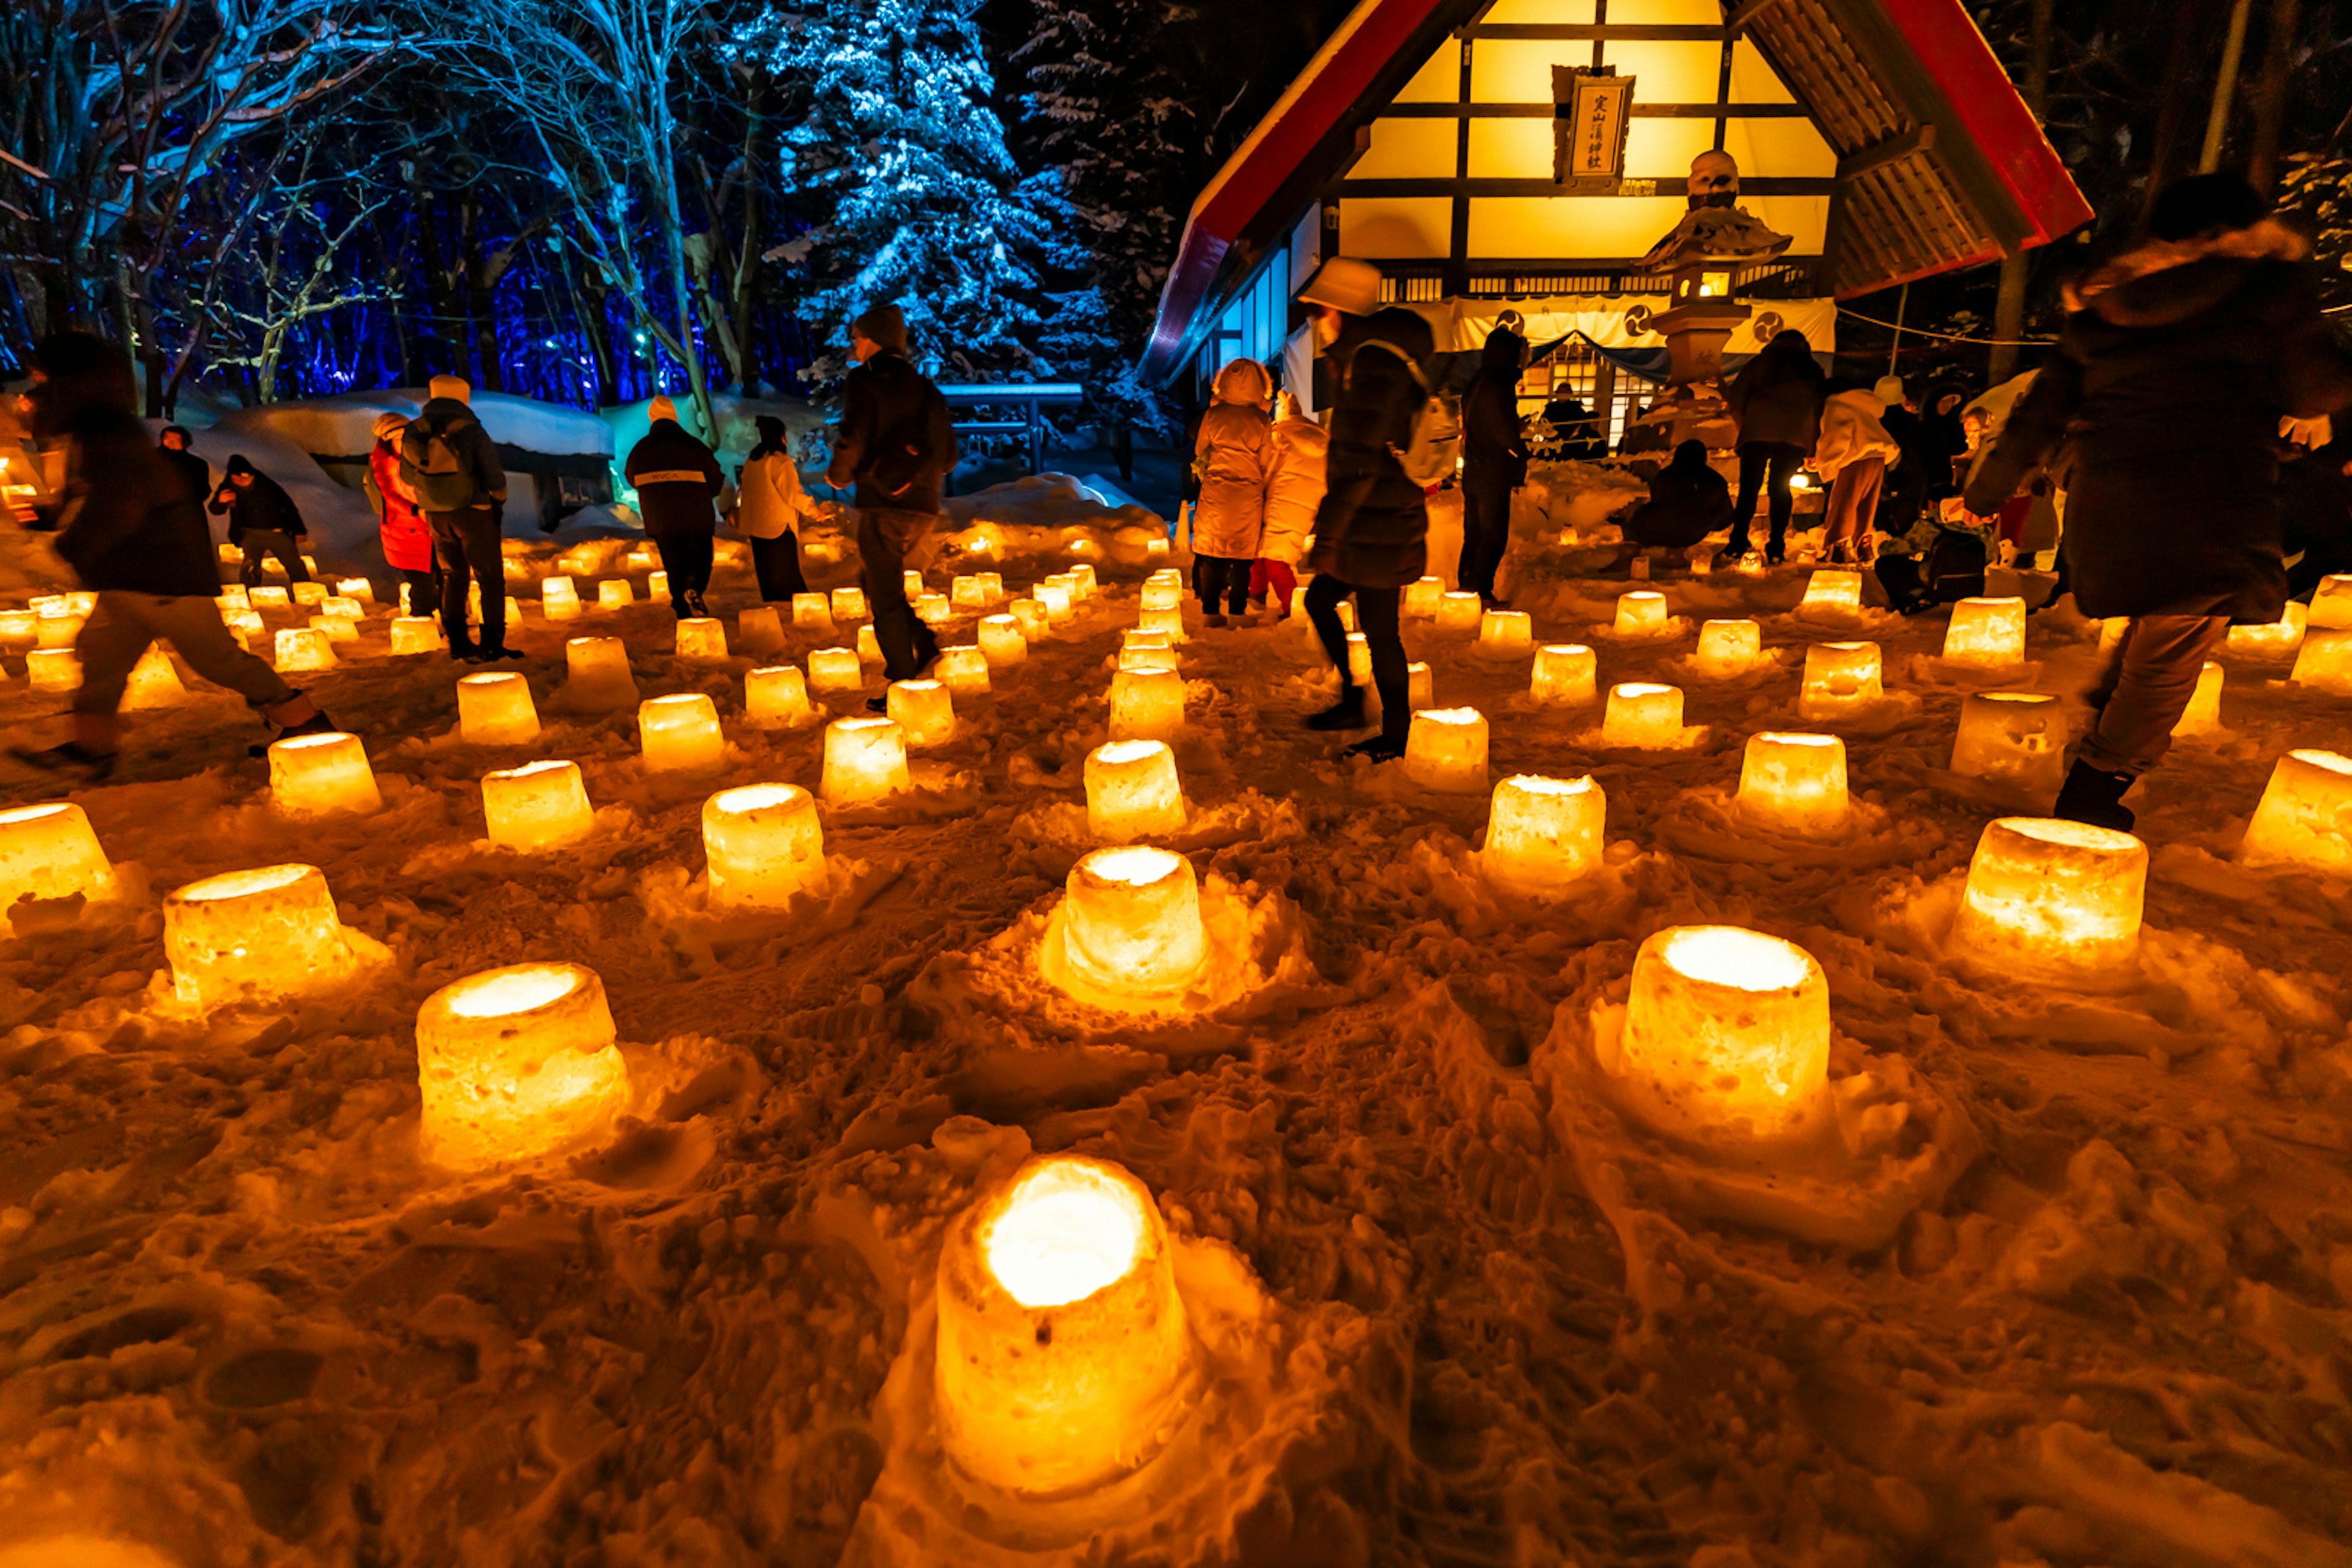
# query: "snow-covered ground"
x,y
243,1323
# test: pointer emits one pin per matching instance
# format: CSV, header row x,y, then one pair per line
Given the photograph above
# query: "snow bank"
x,y
342,426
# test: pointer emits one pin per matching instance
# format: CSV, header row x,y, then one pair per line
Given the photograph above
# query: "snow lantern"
x,y
50,851
2325,664
963,668
2016,737
701,638
1640,613
615,594
1564,676
154,681
2283,636
968,593
322,775
310,564
1460,612
269,596
1840,679
656,585
1506,631
22,628
811,612
246,624
865,760
1986,634
1160,596
1136,636
835,669
349,609
1150,656
516,1062
1446,749
416,634
1794,783
538,806
1131,924
1081,574
933,609
1421,597
2203,714
1420,687
763,845
680,734
596,672
1030,613
1157,546
2305,815
303,648
1145,705
1643,714
2331,604
1347,613
335,628
758,630
923,710
234,596
1000,642
869,646
53,668
1543,834
309,595
846,605
2056,899
1360,659
1726,1036
358,588
1833,590
1729,647
912,581
57,631
1169,620
639,558
1063,1358
776,697
1132,791
496,710
251,935
559,599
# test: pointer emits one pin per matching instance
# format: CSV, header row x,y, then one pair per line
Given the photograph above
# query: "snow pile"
x,y
343,426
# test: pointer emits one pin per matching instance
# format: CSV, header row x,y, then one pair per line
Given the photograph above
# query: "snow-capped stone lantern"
x,y
1145,705
615,594
517,1062
1564,676
1130,927
762,843
2048,899
1643,714
1506,631
1447,750
702,638
50,851
1132,791
1986,634
1840,678
923,711
1726,648
835,669
776,697
1726,1036
2019,737
253,935
2305,815
559,598
680,734
321,776
1830,589
865,760
812,613
1794,783
1543,834
1063,1358
536,807
1460,612
1640,613
496,709
303,648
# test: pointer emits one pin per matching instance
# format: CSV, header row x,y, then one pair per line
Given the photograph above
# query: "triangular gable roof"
x,y
1941,164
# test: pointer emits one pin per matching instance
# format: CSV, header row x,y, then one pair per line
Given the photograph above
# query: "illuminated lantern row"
x,y
776,697
1840,679
301,648
865,760
1447,750
702,638
2053,900
1506,631
1642,715
2280,638
1000,643
154,681
496,710
309,595
536,807
1641,613
559,599
811,612
1543,834
1564,676
1421,597
313,776
1132,791
1459,612
1795,783
597,673
50,851
1986,634
1171,621
759,631
1729,647
963,668
835,669
1833,590
1160,596
2016,737
2331,605
615,594
53,668
1063,1358
1145,705
1726,1036
253,936
416,634
2305,815
517,1062
847,605
2325,664
979,591
763,846
680,734
923,711
2203,714
1132,927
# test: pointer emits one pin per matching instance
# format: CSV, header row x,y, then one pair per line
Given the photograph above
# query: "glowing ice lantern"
x,y
1360,659
656,585
1640,613
1420,688
869,646
2331,605
963,669
1840,679
538,806
516,1062
1640,714
933,609
835,669
245,625
2053,900
2281,637
923,710
252,935
1726,1036
1063,1358
1169,620
913,582
776,697
1564,676
2203,714
57,631
865,760
1347,609
1132,791
53,668
154,681
702,638
1446,749
1729,647
301,647
1056,598
971,592
1000,642
596,672
335,628
2016,737
322,775
763,845
416,634
1506,631
2305,815
358,588
1543,834
1147,655
1794,783
1081,576
680,734
1160,596
496,710
309,595
1833,590
559,599
758,631
1145,705
1421,596
235,597
21,628
1031,616
811,612
49,851
615,594
1986,634
1460,612
1130,925
1155,546
268,597
349,609
848,603
2325,664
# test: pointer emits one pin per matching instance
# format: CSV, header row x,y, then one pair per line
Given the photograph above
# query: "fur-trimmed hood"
x,y
2168,280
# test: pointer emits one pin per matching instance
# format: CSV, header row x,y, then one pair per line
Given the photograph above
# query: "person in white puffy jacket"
x,y
770,507
1853,454
1293,489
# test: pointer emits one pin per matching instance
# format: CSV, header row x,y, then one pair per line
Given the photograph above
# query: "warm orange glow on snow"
x,y
2053,898
1727,1032
516,1062
1132,791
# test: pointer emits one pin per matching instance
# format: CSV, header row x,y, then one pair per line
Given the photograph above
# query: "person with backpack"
x,y
449,460
263,522
1494,463
677,480
401,529
1232,451
197,474
1776,400
770,506
135,536
1372,531
1293,489
2178,363
896,445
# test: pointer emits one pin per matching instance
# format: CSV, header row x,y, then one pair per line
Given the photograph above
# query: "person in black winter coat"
x,y
1577,432
263,522
1688,501
1371,532
135,536
174,445
1493,462
677,480
2315,512
452,464
1777,399
1905,495
2179,361
896,445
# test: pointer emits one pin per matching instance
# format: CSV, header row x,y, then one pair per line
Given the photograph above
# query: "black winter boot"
x,y
1348,713
1379,749
2095,796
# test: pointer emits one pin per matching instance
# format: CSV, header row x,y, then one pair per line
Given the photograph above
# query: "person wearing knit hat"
x,y
677,478
401,528
452,465
771,504
175,443
263,522
896,445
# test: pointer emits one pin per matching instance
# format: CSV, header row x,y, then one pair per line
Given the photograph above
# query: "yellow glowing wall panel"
x,y
1806,218
1512,149
1664,149
1570,228
1407,150
1518,70
1785,149
1663,73
1752,80
1659,14
1561,13
1398,227
1438,81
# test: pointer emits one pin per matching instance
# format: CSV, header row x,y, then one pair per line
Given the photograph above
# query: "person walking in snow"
x,y
195,471
1293,489
1853,453
770,506
263,522
136,537
678,481
896,445
2179,361
1493,462
1232,452
401,528
1776,400
451,464
1371,532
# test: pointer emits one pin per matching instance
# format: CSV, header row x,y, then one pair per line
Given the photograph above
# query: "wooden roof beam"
x,y
1892,150
1745,18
